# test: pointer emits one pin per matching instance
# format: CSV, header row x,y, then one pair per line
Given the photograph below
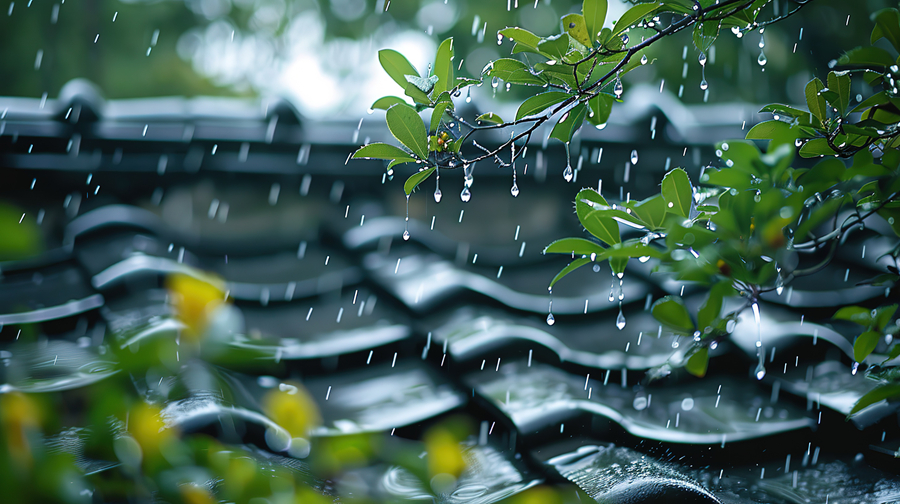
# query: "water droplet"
x,y
514,190
855,368
620,320
724,146
618,89
406,235
760,371
702,59
762,59
644,59
437,195
687,404
640,402
568,174
779,284
634,157
704,85
550,319
465,195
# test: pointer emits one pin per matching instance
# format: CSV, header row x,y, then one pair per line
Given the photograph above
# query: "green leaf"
x,y
632,16
397,66
868,57
443,66
489,117
712,306
594,12
437,114
879,98
380,151
864,345
513,71
816,147
574,25
697,363
574,265
814,101
879,394
401,160
705,34
601,107
418,96
883,316
407,127
386,102
521,36
555,47
463,82
577,246
778,132
618,264
670,312
569,123
539,102
652,211
887,25
603,228
416,179
822,213
677,192
839,82
786,111
623,217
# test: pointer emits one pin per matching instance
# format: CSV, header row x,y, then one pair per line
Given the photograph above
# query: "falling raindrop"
x,y
437,188
634,157
620,320
762,59
406,231
465,195
550,319
760,369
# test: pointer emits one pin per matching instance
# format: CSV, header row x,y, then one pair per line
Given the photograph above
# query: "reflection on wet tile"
x,y
615,474
423,282
382,397
490,476
728,409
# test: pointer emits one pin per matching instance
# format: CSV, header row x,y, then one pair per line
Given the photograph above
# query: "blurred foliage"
x,y
21,237
62,36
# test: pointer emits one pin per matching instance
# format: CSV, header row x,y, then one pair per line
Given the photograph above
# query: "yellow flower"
x,y
194,299
19,416
291,407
